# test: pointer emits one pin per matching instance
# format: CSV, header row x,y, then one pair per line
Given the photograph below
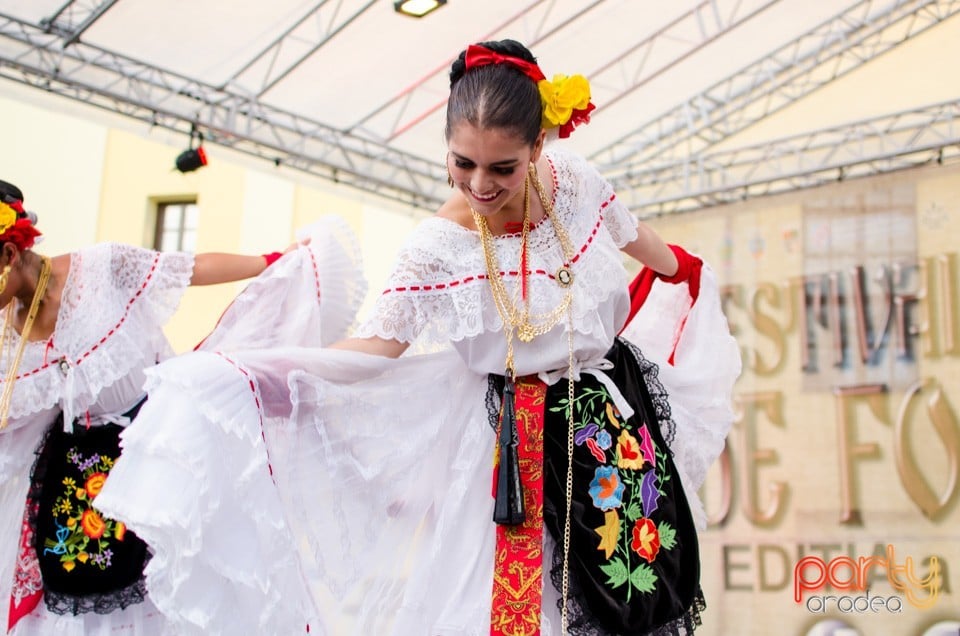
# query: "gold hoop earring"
x,y
4,275
449,178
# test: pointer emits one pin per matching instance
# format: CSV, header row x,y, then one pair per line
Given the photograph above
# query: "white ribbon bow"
x,y
595,367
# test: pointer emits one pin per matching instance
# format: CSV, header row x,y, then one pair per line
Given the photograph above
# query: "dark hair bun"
x,y
10,191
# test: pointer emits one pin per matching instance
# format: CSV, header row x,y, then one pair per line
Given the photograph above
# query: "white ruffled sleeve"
x,y
309,297
619,221
426,293
157,279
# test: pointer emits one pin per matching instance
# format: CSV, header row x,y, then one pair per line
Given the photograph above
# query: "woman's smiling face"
x,y
489,167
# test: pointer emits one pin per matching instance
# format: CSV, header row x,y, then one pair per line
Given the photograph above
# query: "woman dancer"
x,y
537,474
79,331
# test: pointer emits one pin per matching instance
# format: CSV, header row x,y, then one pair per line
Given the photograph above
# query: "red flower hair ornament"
x,y
16,227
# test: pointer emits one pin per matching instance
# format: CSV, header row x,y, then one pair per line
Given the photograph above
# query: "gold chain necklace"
x,y
565,580
564,275
527,331
14,364
526,324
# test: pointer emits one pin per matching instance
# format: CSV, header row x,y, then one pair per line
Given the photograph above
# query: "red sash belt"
x,y
27,590
518,562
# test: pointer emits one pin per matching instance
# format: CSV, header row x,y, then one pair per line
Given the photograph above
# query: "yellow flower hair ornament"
x,y
566,102
8,216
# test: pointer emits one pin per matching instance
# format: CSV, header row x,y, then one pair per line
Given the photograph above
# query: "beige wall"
x,y
808,475
60,180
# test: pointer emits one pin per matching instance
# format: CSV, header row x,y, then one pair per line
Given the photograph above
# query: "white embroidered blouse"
x,y
115,301
438,291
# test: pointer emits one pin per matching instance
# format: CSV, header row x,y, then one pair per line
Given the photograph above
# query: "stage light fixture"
x,y
193,157
417,8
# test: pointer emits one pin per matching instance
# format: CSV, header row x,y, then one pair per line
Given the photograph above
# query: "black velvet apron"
x,y
634,562
88,562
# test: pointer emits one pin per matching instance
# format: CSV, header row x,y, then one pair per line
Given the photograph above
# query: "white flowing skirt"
x,y
293,489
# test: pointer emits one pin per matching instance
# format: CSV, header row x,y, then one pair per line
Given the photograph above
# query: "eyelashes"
x,y
469,165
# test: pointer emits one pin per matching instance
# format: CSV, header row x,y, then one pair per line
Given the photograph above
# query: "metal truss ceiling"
x,y
893,142
59,63
682,157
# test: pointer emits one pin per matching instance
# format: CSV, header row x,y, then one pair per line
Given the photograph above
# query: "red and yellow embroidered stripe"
x,y
518,564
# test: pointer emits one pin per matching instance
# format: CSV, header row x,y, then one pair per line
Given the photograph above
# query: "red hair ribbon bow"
x,y
481,56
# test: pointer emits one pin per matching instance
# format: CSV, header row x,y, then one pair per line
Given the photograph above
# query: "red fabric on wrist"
x,y
272,258
688,271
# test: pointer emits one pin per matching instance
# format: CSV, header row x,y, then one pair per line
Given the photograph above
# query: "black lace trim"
x,y
97,603
658,394
580,621
64,604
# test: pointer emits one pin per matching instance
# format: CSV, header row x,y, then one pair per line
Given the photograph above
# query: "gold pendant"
x,y
564,276
525,333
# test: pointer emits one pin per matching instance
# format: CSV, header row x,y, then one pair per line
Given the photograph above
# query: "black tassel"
x,y
508,506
